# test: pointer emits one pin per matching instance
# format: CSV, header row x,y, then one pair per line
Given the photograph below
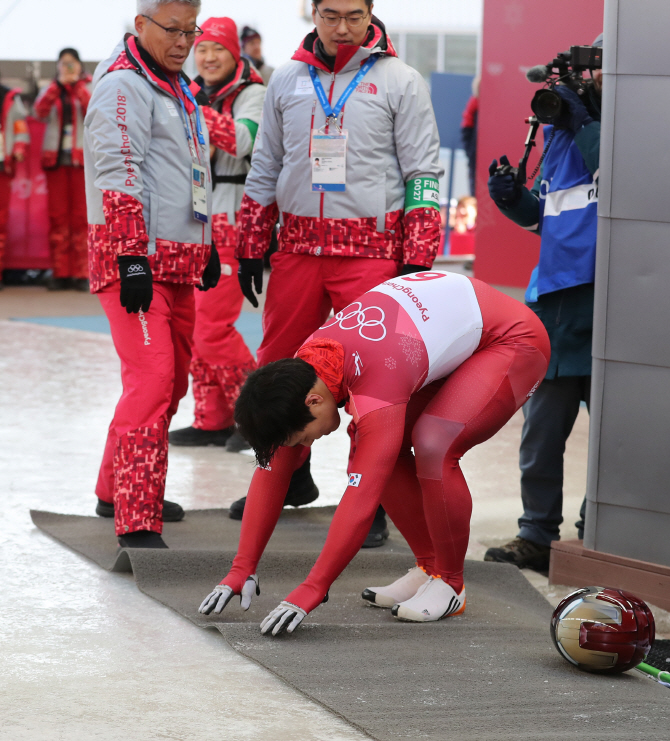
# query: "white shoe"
x,y
401,589
434,601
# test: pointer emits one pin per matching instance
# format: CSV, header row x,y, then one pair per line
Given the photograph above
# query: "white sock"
x,y
433,601
401,589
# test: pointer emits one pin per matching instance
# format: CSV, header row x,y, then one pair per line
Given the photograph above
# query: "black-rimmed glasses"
x,y
175,33
333,19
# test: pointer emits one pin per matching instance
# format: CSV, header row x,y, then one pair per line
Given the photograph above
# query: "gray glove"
x,y
285,617
216,600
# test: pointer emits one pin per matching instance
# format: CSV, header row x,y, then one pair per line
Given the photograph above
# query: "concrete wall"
x,y
629,466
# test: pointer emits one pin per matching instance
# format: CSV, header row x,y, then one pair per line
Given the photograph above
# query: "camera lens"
x,y
547,106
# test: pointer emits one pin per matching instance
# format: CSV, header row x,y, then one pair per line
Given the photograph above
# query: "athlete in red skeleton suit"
x,y
432,360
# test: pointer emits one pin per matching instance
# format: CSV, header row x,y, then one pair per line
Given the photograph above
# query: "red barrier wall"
x,y
517,34
28,232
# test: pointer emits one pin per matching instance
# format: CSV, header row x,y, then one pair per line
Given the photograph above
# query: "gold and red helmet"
x,y
605,630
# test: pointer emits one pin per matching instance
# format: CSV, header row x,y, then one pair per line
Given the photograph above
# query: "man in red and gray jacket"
x,y
149,199
347,159
221,359
14,140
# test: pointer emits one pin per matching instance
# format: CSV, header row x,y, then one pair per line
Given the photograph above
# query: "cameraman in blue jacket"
x,y
561,208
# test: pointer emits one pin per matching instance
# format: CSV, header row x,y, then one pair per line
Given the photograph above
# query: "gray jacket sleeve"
x,y
416,137
118,125
248,107
268,156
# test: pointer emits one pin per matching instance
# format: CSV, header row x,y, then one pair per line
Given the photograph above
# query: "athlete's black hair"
x,y
271,405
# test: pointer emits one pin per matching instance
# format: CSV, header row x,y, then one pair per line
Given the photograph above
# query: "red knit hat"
x,y
221,31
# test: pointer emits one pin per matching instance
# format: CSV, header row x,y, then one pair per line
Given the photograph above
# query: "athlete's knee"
x,y
433,439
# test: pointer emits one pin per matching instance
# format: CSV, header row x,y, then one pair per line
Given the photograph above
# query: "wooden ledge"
x,y
573,564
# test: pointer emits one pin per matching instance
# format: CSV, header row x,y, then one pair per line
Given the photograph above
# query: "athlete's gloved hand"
x,y
137,283
408,269
285,617
212,272
221,595
251,268
578,116
503,188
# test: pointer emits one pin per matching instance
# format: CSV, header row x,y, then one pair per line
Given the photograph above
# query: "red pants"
x,y
5,194
427,497
67,222
302,291
221,359
155,352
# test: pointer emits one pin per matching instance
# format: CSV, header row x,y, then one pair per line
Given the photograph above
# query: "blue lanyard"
x,y
198,125
321,93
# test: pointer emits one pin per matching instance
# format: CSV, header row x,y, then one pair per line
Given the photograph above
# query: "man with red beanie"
x,y
149,194
221,359
14,140
368,209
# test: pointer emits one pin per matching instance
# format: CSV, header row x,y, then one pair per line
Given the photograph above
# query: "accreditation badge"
x,y
329,161
199,183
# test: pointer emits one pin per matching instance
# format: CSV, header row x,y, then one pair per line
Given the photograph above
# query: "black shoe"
x,y
301,491
379,532
57,284
141,539
236,509
193,437
80,284
522,553
237,443
172,512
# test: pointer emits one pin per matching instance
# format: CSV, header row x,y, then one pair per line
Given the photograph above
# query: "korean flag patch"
x,y
355,479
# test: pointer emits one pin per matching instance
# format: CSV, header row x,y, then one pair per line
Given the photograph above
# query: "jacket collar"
x,y
245,74
135,57
348,57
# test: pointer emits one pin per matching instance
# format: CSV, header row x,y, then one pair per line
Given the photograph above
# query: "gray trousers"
x,y
550,415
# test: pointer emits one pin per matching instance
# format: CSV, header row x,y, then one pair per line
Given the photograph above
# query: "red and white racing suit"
x,y
434,361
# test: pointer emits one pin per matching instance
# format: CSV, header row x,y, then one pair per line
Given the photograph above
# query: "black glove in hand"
x,y
408,269
137,283
212,272
251,268
503,187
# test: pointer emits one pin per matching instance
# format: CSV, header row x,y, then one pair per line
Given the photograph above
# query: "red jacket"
x,y
49,108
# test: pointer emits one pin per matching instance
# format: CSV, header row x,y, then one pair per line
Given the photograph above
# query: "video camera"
x,y
567,68
547,105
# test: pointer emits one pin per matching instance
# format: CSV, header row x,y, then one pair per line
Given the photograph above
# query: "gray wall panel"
x,y
641,148
638,257
600,298
643,47
633,533
606,145
610,30
628,489
634,439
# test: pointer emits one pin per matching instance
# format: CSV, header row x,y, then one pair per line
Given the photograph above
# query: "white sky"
x,y
38,29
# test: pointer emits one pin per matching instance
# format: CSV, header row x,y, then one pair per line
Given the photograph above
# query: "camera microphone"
x,y
539,73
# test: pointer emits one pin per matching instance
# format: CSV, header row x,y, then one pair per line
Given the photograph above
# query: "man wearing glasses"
x,y
347,159
148,184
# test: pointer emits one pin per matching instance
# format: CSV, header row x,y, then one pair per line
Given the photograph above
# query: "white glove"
x,y
286,617
216,600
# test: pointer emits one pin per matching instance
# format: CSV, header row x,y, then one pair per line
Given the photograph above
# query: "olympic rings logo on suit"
x,y
362,319
137,268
